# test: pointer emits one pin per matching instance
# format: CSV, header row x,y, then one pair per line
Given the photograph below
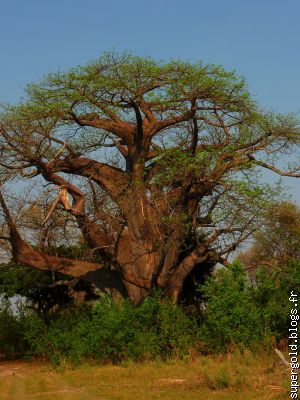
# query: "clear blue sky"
x,y
259,39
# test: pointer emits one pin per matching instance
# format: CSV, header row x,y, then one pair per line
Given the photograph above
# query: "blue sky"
x,y
259,39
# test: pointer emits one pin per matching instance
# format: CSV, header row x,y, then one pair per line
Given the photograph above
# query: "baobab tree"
x,y
155,163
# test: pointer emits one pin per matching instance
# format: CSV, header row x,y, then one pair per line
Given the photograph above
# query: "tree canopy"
x,y
160,161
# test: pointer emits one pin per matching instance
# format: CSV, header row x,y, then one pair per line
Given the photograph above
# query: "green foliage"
x,y
271,295
113,332
123,75
230,315
241,313
237,313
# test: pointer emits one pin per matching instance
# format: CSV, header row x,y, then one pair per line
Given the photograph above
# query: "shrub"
x,y
114,332
271,296
230,315
240,313
236,313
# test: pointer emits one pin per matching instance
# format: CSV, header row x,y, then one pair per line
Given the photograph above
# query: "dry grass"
x,y
230,377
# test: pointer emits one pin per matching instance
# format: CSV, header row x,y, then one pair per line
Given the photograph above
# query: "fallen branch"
x,y
283,359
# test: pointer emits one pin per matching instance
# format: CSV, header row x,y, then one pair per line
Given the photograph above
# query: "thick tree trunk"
x,y
139,261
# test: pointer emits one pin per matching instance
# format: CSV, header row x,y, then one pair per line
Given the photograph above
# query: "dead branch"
x,y
62,198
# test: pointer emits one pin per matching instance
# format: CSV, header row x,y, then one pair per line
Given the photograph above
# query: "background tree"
x,y
277,241
159,160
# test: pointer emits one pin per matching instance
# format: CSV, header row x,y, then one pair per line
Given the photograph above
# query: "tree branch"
x,y
124,130
111,179
23,253
271,167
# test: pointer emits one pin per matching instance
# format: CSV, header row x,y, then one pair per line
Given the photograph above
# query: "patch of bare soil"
x,y
8,368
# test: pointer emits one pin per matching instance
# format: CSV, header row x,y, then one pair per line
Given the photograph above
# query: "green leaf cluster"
x,y
242,313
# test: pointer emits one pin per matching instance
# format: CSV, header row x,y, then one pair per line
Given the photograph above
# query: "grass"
x,y
231,377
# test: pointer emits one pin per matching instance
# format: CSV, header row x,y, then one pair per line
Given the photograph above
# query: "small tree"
x,y
159,160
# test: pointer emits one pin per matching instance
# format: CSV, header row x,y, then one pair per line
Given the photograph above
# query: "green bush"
x,y
236,313
271,295
230,315
243,314
113,332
